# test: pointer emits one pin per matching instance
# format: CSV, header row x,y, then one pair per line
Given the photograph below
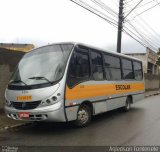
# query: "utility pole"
x,y
120,26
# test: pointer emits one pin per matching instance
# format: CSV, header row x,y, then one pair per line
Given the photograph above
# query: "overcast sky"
x,y
47,21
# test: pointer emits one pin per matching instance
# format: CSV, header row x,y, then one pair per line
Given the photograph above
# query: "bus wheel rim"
x,y
82,116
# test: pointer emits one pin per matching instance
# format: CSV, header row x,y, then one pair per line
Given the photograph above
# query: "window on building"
x,y
138,70
112,67
150,68
97,65
127,69
79,68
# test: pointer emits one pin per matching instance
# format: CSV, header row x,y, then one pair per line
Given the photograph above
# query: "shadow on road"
x,y
60,128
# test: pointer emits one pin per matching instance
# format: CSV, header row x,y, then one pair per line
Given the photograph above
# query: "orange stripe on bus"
x,y
89,91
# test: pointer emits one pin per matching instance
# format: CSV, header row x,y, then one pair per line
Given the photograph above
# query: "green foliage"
x,y
158,61
158,53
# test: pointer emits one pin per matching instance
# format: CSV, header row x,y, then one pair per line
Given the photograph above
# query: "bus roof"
x,y
100,49
93,47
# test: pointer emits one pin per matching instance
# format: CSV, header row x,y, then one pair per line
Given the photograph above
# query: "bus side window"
x,y
79,69
138,70
112,67
127,69
97,65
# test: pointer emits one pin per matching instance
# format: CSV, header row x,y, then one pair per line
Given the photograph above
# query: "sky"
x,y
43,22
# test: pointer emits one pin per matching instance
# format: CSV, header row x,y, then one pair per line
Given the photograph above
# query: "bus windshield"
x,y
43,65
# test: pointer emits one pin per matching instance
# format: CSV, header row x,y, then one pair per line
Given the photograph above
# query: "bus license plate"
x,y
23,114
24,98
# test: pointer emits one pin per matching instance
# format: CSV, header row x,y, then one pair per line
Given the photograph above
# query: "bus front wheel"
x,y
83,116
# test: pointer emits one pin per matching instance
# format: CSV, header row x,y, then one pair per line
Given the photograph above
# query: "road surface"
x,y
140,126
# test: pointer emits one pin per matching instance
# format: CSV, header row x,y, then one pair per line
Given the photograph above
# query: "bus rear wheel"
x,y
127,106
83,116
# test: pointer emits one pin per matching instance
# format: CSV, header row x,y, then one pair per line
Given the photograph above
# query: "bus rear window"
x,y
138,71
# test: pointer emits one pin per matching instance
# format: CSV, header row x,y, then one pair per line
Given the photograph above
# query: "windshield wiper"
x,y
40,78
17,81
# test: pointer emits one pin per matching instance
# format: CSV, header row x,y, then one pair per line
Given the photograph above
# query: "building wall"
x,y
143,58
149,60
5,74
152,82
152,58
8,62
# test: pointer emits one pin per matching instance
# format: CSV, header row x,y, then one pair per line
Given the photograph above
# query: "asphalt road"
x,y
140,126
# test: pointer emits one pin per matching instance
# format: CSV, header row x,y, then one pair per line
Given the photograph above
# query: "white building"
x,y
149,59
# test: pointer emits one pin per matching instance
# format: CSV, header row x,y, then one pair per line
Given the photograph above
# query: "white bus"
x,y
72,82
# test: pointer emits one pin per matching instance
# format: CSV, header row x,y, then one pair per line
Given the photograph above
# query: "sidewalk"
x,y
7,123
152,93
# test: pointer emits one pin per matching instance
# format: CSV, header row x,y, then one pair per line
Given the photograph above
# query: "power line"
x,y
128,2
146,10
95,10
143,37
133,8
140,6
111,22
139,37
134,38
157,3
148,40
131,4
146,3
105,7
149,30
146,25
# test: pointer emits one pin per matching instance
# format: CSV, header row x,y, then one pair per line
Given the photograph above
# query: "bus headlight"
x,y
54,98
50,101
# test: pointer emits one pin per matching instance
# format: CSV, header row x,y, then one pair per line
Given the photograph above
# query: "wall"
x,y
152,82
8,62
4,77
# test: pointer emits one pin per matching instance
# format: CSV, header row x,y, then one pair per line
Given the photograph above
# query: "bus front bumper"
x,y
50,113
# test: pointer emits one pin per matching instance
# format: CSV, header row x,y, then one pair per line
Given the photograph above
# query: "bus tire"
x,y
83,116
127,106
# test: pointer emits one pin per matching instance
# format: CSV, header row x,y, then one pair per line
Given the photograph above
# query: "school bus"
x,y
72,82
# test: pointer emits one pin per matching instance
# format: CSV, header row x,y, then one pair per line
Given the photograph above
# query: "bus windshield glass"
x,y
43,65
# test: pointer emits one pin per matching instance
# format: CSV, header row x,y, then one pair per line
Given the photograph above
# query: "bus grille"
x,y
26,105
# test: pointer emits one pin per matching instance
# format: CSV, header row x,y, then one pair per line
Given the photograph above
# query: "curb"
x,y
154,94
17,126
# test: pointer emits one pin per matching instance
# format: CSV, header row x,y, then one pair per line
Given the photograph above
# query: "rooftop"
x,y
17,46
